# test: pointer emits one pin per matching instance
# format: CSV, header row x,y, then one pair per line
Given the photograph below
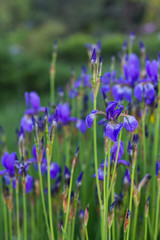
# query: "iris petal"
x,y
130,123
112,130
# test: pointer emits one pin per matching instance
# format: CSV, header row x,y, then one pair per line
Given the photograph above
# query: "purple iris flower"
x,y
157,168
29,183
83,80
81,125
67,175
145,90
90,118
63,113
152,70
113,110
132,69
54,169
100,174
122,92
33,108
8,162
73,93
79,180
43,161
112,130
130,123
127,177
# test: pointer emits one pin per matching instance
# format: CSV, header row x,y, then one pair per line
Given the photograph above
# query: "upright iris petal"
x,y
130,123
112,130
90,118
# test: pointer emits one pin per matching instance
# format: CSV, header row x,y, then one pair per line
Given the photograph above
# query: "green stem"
x,y
68,201
95,155
135,223
109,233
113,223
43,201
5,221
157,214
24,211
10,214
144,142
145,228
49,194
115,164
106,197
73,226
131,194
33,221
87,238
17,208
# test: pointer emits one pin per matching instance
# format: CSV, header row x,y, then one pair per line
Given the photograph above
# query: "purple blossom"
x,y
112,130
63,113
29,183
8,162
94,57
152,70
90,118
81,125
113,110
100,174
54,169
130,123
127,177
145,90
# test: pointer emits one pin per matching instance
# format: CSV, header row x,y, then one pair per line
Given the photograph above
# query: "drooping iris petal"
x,y
26,123
63,113
138,91
81,125
117,92
130,123
54,170
123,162
114,150
3,172
90,118
29,183
100,174
112,130
127,93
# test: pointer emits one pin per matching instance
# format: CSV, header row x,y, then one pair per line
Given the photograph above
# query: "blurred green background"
x,y
28,29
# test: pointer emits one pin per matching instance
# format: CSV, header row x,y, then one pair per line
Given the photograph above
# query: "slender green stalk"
x,y
109,233
86,231
106,197
73,226
157,214
145,228
24,211
144,142
115,164
5,220
68,201
33,221
17,208
95,155
135,223
131,195
49,194
43,201
10,213
113,223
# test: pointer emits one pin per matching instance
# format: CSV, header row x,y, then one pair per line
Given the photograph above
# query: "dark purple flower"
x,y
129,148
130,123
100,174
112,130
145,90
29,183
94,57
157,168
81,125
127,177
8,162
63,113
152,70
79,180
115,148
113,110
54,169
90,118
67,175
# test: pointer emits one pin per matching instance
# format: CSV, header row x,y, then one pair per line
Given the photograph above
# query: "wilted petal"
x,y
112,130
130,123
